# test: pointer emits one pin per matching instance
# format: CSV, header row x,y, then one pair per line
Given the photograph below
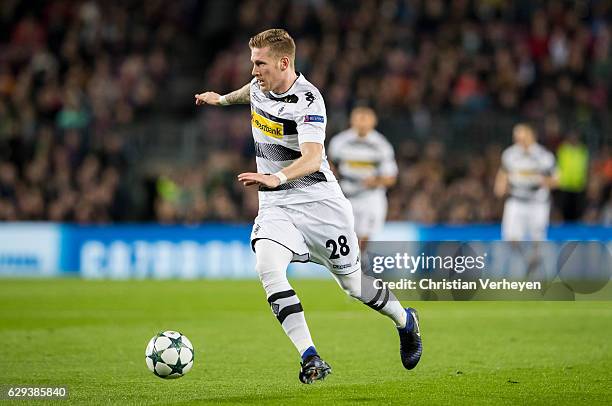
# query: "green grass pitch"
x,y
91,336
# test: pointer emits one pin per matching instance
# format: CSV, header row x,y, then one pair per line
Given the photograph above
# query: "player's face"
x,y
363,121
267,69
523,136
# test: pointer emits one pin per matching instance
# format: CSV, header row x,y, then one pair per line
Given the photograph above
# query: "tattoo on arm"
x,y
240,96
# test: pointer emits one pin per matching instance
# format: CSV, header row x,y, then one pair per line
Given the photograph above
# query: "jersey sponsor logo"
x,y
361,164
312,118
527,172
266,126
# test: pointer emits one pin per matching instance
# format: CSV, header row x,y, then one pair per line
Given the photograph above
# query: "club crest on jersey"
x,y
266,126
314,119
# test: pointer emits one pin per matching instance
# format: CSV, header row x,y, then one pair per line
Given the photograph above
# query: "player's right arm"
x,y
240,96
500,188
502,184
332,156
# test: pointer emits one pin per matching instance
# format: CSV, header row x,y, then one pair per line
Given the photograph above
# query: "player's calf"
x,y
362,288
272,261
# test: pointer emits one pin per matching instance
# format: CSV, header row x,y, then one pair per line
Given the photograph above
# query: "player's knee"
x,y
351,285
272,276
352,289
262,268
269,276
271,266
353,292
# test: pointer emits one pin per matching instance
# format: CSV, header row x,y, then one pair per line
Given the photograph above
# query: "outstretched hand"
x,y
250,179
211,98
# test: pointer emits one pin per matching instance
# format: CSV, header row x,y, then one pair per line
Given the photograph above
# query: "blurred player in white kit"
x,y
526,176
366,165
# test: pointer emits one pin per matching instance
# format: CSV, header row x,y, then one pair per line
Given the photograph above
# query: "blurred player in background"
x,y
526,176
303,215
366,165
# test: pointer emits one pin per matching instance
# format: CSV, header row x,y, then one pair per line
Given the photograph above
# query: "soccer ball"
x,y
169,355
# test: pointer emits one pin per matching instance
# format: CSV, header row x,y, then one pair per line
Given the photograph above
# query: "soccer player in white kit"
x,y
526,176
366,165
303,215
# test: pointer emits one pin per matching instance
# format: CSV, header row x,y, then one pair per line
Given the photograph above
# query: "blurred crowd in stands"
x,y
75,73
70,74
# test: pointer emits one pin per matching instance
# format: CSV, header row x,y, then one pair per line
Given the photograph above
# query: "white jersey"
x,y
526,169
281,123
358,158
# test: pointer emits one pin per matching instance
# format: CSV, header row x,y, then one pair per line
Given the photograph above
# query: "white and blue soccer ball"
x,y
169,355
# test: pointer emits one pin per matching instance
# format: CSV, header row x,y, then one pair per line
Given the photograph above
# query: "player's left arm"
x,y
387,176
380,181
550,179
309,162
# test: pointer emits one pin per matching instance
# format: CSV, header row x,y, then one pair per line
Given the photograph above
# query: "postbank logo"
x,y
267,126
361,164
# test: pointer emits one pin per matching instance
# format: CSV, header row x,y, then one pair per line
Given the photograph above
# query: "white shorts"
x,y
320,232
525,221
370,213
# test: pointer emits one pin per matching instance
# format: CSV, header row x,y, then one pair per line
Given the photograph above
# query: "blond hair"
x,y
526,126
280,43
